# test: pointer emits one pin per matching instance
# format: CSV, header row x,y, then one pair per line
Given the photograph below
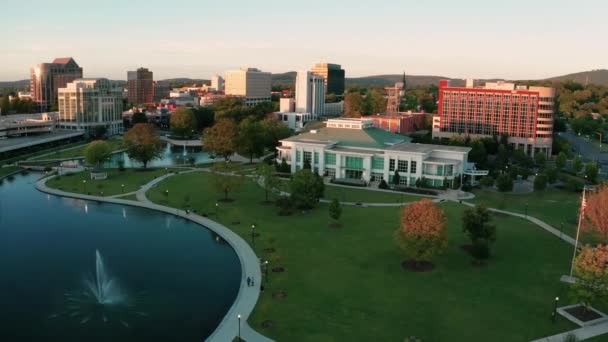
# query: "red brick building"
x,y
401,123
524,114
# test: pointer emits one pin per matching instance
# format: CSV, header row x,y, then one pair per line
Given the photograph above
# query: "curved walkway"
x,y
247,296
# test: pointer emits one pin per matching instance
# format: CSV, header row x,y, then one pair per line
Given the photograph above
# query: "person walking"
x,y
248,281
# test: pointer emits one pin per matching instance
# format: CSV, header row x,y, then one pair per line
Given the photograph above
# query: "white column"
x,y
367,168
339,166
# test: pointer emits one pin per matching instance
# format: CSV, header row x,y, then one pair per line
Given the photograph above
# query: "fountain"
x,y
104,288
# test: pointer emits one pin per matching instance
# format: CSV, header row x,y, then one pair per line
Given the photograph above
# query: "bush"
x,y
353,182
467,187
504,182
480,250
575,185
383,185
487,181
540,182
285,205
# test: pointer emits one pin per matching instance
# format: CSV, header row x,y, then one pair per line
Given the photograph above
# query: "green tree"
x,y
5,105
478,154
273,131
267,177
577,164
139,117
204,117
540,182
396,178
143,144
591,172
539,159
477,223
183,122
551,173
97,152
560,161
220,138
225,178
375,102
504,182
592,273
306,189
99,132
335,209
353,105
250,139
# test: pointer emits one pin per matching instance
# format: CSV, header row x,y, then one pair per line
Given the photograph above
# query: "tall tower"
x,y
140,85
394,96
310,93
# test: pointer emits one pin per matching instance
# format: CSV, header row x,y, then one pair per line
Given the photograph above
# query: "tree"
x,y
183,122
375,102
551,173
539,159
595,212
478,154
272,132
250,140
353,105
422,235
560,161
306,189
204,117
504,182
540,182
590,267
591,172
220,138
139,117
477,223
577,164
397,178
5,105
225,178
97,152
335,210
99,132
267,177
142,143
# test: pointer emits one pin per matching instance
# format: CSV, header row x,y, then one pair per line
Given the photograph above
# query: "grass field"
x,y
132,179
115,144
348,285
8,170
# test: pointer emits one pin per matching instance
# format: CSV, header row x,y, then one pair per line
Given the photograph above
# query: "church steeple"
x,y
404,84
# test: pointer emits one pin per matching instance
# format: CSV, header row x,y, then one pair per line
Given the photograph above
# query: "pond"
x,y
76,270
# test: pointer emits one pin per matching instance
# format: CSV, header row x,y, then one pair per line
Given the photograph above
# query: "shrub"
x,y
504,182
540,182
487,181
480,250
383,185
467,187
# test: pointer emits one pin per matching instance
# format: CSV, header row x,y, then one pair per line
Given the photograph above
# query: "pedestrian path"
x,y
580,333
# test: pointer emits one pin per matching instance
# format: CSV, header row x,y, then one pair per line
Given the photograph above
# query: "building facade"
x,y
333,75
87,103
251,84
295,121
523,114
217,83
140,86
47,78
353,149
161,90
310,93
402,122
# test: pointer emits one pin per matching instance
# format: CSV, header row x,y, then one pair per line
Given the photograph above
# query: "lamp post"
x,y
266,270
239,317
123,188
166,171
526,209
600,134
217,208
84,185
167,193
554,313
253,235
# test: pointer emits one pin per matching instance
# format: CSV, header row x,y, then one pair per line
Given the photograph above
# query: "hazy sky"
x,y
481,39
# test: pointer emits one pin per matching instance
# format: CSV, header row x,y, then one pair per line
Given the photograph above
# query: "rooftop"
x,y
366,138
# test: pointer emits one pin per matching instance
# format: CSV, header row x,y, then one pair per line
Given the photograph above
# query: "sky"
x,y
516,39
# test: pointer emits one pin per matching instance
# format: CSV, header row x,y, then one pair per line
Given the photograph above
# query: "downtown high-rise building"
x,y
250,84
140,86
333,74
217,83
47,78
310,93
523,114
88,103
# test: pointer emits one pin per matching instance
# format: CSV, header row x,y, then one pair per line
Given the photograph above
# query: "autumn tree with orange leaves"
x,y
596,212
423,234
142,143
591,269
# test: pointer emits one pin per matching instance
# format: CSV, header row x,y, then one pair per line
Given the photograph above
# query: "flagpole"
x,y
578,229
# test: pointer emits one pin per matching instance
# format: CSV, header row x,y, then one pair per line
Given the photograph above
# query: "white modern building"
x,y
251,84
353,149
90,102
334,109
310,93
217,83
287,104
295,121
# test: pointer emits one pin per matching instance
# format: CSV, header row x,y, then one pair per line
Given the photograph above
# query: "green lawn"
x,y
347,284
133,179
115,144
554,206
8,170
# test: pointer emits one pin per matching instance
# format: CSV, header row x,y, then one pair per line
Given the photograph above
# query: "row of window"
x,y
402,165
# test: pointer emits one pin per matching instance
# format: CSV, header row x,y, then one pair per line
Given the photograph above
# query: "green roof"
x,y
368,137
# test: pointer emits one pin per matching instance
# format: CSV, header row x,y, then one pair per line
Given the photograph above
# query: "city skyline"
x,y
198,40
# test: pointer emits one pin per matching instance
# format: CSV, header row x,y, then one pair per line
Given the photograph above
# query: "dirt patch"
x,y
279,295
278,269
583,314
418,266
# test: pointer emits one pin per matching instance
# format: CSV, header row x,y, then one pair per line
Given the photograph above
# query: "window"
x,y
330,159
354,163
307,157
449,170
378,163
413,166
298,156
391,165
377,176
402,166
316,157
402,180
331,173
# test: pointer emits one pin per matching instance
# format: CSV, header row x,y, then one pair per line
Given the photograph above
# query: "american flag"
x,y
583,203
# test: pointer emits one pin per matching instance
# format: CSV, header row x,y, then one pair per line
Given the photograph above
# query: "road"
x,y
588,150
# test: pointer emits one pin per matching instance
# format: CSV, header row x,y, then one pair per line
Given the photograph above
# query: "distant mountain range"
x,y
598,76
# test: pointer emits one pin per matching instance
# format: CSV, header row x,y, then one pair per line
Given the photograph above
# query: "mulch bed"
x,y
418,266
335,225
278,269
267,324
583,315
269,250
279,295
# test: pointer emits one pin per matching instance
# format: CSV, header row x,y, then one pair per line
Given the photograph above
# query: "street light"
x,y
239,317
217,207
253,235
123,188
600,134
266,270
554,314
84,185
